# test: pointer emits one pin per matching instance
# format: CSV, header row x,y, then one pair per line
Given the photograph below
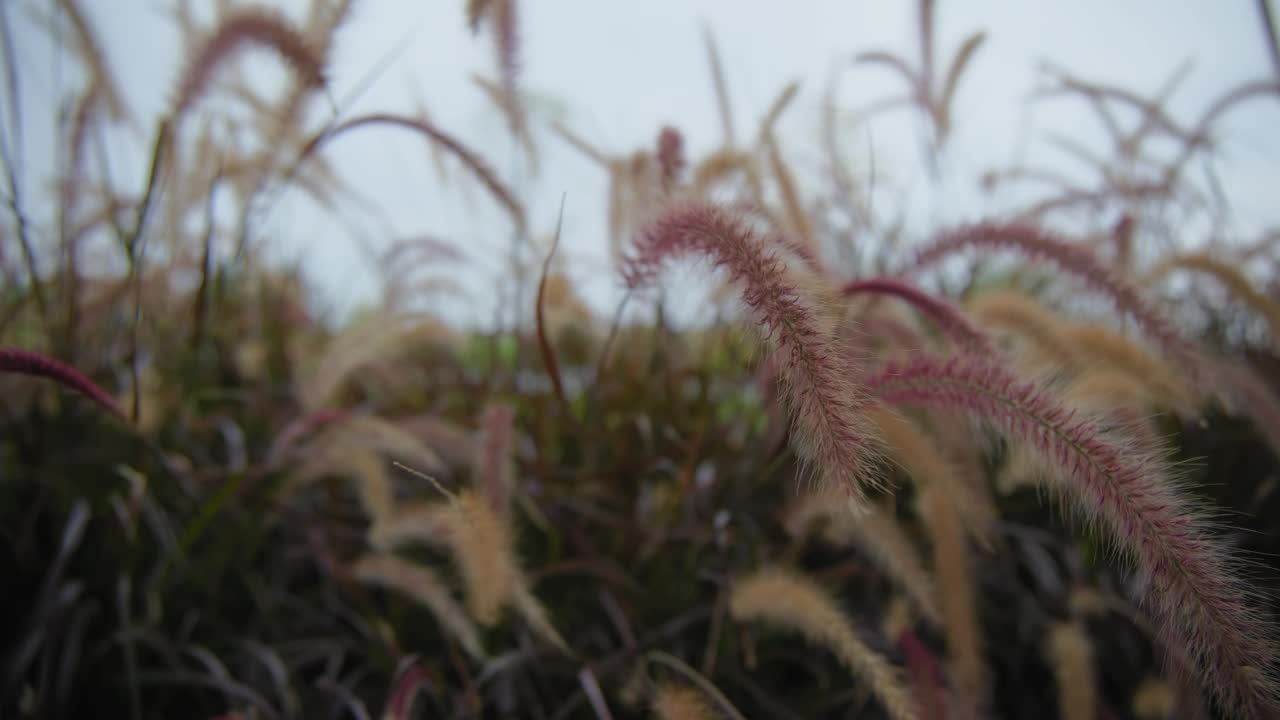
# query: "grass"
x,y
218,504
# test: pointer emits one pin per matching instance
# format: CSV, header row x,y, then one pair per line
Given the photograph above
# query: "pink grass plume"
x,y
949,319
1199,600
27,362
1073,259
829,430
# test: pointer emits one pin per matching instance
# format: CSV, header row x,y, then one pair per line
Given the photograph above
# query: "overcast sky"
x,y
617,71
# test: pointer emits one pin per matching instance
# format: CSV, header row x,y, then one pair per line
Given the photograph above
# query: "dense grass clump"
x,y
878,485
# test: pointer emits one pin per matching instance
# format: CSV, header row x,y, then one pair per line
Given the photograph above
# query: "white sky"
x,y
617,71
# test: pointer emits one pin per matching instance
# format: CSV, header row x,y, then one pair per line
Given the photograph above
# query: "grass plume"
x,y
469,158
786,599
1070,655
419,508
827,412
953,568
245,28
876,534
478,539
1069,258
949,319
26,362
1232,279
1196,596
425,587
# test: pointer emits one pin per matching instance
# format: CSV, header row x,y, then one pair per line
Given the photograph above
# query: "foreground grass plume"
x,y
1196,595
826,409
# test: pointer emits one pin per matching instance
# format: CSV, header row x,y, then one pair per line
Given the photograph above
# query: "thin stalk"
x,y
135,244
206,262
548,354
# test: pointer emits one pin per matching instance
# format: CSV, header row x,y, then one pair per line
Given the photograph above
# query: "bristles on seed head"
x,y
1196,592
482,545
830,431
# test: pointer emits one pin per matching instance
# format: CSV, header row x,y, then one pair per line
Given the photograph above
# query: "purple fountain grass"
x,y
791,247
245,27
472,160
1070,258
830,432
27,362
1197,596
948,317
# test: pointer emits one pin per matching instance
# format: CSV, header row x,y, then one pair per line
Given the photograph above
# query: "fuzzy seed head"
x,y
829,430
